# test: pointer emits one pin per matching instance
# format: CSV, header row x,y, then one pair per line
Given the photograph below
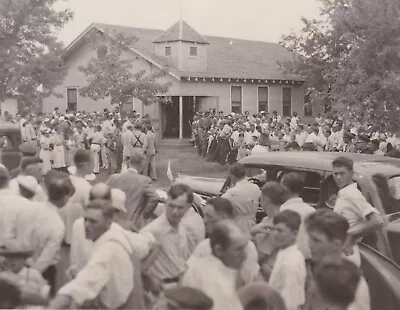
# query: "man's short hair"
x,y
222,206
58,185
337,280
309,147
27,161
136,159
10,293
180,189
294,182
331,224
290,218
221,233
102,205
81,157
100,191
343,161
238,170
275,192
4,176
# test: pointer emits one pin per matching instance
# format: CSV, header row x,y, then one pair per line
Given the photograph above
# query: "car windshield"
x,y
394,185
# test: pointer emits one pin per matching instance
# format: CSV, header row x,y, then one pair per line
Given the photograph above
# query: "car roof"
x,y
8,126
363,163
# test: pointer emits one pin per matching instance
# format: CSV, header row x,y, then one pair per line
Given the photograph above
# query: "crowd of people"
x,y
227,138
110,136
69,243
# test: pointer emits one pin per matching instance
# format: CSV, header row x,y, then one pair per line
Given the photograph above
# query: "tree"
x,y
351,56
30,53
110,74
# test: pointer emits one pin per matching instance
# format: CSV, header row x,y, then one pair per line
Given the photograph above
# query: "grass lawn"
x,y
184,160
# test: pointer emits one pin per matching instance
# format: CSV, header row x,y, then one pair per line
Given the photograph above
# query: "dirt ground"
x,y
184,160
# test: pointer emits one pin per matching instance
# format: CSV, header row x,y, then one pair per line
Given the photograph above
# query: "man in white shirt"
x,y
328,234
111,278
289,273
84,164
216,275
244,196
177,241
215,210
31,166
294,182
363,218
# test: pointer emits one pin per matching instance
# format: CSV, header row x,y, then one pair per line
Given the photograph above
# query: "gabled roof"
x,y
181,31
226,57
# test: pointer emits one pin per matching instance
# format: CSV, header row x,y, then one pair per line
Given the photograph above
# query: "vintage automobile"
x,y
379,260
10,139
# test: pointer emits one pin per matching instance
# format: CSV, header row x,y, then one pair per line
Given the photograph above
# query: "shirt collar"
x,y
293,200
348,188
132,169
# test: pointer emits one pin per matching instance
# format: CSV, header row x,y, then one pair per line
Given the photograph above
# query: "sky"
x,y
261,20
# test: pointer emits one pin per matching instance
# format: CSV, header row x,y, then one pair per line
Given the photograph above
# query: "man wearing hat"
x,y
26,149
349,146
13,256
362,144
184,298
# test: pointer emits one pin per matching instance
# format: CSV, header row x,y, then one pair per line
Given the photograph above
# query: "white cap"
x,y
28,182
118,198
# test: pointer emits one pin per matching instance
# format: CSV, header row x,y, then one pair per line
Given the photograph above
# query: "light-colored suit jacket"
x,y
141,197
150,144
128,140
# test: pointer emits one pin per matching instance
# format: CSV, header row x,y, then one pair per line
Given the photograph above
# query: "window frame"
x,y
190,50
241,97
283,102
258,98
76,88
168,47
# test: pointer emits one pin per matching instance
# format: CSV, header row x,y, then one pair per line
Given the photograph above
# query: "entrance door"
x,y
171,118
188,112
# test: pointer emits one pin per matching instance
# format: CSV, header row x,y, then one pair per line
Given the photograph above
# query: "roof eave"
x,y
94,26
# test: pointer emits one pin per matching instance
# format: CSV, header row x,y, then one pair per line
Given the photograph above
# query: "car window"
x,y
5,143
394,185
312,185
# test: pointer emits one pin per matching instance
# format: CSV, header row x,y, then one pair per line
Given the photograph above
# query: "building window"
x,y
307,105
193,51
72,99
168,51
262,98
287,101
236,99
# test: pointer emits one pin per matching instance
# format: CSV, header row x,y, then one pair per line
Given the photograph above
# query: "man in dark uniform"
x,y
362,144
349,146
26,149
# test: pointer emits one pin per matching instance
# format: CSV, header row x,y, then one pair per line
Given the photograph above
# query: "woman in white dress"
x,y
45,150
58,142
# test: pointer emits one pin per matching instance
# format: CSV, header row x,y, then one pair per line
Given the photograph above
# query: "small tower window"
x,y
168,51
193,51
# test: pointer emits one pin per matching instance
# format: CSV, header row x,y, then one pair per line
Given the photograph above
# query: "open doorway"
x,y
170,117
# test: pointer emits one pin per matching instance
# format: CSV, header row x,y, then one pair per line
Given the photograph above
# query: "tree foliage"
x,y
351,56
30,53
111,73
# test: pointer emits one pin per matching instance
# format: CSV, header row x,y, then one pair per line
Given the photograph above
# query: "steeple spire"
x,y
180,25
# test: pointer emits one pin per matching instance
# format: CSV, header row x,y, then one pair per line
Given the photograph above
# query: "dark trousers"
x,y
50,276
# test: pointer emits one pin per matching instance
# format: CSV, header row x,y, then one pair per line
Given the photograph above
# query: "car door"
x,y
9,153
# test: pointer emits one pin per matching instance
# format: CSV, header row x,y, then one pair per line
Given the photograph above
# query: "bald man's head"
x,y
100,191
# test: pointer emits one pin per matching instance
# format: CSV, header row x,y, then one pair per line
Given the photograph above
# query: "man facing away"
x,y
149,149
244,196
328,234
141,197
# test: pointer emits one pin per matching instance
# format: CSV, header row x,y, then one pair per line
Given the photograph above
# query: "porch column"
x,y
180,117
